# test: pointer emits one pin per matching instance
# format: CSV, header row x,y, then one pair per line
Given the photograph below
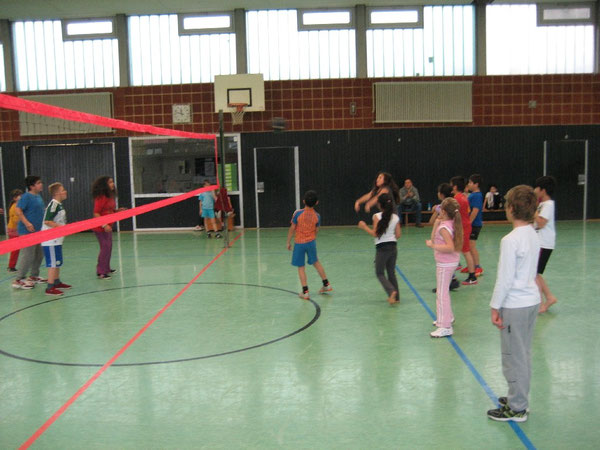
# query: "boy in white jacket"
x,y
515,303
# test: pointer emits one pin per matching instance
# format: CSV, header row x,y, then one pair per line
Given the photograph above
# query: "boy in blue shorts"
x,y
206,202
55,216
305,225
476,217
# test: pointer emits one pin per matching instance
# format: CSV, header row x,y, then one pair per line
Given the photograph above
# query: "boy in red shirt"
x,y
458,186
305,225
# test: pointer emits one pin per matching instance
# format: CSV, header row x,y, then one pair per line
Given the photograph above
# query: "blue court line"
x,y
514,425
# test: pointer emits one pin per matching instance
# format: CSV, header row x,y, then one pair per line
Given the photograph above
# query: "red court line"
x,y
116,356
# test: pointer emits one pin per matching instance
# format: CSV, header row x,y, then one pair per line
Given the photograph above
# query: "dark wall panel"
x,y
341,165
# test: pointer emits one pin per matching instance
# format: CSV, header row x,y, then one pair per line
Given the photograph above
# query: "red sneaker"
x,y
459,267
62,286
37,280
53,291
464,270
478,271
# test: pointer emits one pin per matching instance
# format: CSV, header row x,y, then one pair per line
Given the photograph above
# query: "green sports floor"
x,y
190,346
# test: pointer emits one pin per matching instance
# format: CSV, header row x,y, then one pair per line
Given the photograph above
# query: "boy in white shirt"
x,y
544,224
515,303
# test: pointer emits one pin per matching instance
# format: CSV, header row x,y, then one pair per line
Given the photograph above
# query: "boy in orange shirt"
x,y
305,225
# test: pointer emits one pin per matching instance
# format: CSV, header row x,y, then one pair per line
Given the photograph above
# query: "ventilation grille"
x,y
99,103
444,101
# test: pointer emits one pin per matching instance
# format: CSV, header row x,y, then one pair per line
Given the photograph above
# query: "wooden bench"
x,y
425,216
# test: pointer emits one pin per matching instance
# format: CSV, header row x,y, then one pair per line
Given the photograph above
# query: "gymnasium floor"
x,y
238,361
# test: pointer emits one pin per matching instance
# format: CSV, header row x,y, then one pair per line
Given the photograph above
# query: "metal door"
x,y
566,161
76,167
276,184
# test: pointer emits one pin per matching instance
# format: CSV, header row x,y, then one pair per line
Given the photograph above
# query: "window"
x,y
160,55
2,73
324,19
88,29
206,23
44,61
171,165
408,42
400,17
278,50
565,14
517,45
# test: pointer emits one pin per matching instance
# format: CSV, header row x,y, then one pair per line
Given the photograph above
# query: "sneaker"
x,y
22,284
325,289
469,281
505,414
53,291
62,286
503,401
113,271
304,295
104,276
11,269
454,285
218,236
478,271
459,267
435,322
464,270
208,235
199,228
38,280
441,332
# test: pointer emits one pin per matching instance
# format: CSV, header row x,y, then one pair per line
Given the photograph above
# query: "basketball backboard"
x,y
242,88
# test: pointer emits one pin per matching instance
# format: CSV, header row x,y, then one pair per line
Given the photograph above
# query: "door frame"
x,y
77,144
296,177
585,168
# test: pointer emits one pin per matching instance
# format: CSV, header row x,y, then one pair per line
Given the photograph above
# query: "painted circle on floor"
x,y
147,363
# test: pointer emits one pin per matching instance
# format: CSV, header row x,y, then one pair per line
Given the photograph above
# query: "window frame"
x,y
541,7
334,26
217,30
85,37
395,25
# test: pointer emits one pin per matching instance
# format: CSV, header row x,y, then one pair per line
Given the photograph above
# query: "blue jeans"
x,y
414,207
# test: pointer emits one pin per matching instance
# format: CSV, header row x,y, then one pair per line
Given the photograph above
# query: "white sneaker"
x,y
304,295
325,289
22,284
441,332
434,323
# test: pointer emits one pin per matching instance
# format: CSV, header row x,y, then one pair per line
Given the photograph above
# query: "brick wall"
x,y
325,104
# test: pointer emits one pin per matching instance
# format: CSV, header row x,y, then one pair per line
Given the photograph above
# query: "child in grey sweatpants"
x,y
515,303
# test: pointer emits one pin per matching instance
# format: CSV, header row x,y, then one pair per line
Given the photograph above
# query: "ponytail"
x,y
452,209
387,209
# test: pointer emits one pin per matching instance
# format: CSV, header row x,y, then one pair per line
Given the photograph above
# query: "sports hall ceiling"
x,y
69,9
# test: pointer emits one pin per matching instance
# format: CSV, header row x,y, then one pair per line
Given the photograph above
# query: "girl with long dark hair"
x,y
386,231
383,184
104,194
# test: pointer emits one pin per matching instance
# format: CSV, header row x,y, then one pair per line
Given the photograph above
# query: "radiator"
x,y
444,101
99,103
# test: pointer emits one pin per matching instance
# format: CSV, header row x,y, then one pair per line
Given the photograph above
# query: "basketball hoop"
x,y
237,116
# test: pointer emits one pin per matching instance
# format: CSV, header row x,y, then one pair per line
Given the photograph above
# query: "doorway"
x,y
276,185
76,166
567,161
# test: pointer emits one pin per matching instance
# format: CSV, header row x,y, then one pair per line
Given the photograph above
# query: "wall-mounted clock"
x,y
182,113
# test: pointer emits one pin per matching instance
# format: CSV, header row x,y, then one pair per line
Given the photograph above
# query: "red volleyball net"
x,y
41,114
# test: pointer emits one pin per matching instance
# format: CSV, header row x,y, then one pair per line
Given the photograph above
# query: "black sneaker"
x,y
11,269
104,276
113,271
504,402
218,236
505,414
208,235
454,284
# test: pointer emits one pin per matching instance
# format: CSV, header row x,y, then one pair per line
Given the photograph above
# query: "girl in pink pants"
x,y
446,242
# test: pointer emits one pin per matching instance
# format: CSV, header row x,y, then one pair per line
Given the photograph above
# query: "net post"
x,y
221,176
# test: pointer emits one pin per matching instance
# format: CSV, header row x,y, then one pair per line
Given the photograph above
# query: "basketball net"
x,y
237,115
